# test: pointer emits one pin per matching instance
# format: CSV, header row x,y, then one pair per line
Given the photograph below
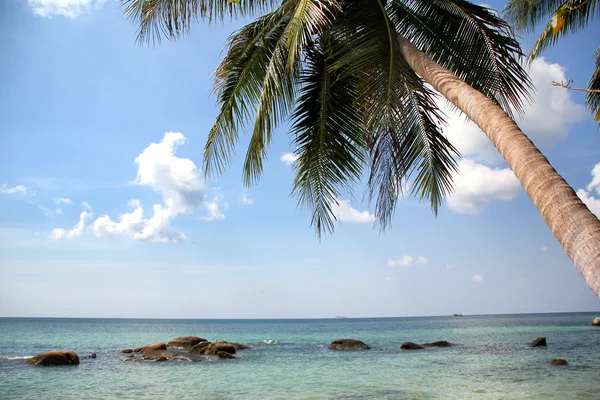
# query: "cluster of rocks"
x,y
195,348
188,348
353,344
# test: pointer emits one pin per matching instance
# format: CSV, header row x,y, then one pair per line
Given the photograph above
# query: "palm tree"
x,y
563,17
357,81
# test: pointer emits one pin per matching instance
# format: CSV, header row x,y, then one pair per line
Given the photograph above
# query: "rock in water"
x,y
596,321
348,344
239,346
56,357
558,361
126,351
411,346
439,343
213,348
152,347
541,341
185,342
223,354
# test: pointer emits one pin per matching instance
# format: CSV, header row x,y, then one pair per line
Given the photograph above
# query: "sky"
x,y
104,210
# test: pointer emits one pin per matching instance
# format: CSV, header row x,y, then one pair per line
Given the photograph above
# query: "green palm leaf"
x,y
469,40
329,136
593,97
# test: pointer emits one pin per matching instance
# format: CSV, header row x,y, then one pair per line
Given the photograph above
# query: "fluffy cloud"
x,y
345,213
288,158
546,121
407,260
60,234
246,200
183,191
475,185
544,248
180,185
477,278
587,197
66,8
5,189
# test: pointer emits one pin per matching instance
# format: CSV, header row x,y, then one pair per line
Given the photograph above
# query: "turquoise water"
x,y
490,359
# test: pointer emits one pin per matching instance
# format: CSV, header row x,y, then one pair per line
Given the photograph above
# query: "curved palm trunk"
x,y
573,224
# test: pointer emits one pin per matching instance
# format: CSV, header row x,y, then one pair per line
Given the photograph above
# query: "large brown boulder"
x,y
185,342
558,361
152,347
411,346
439,343
213,348
596,321
56,357
348,344
541,341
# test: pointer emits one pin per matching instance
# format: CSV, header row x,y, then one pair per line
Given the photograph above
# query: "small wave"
x,y
15,357
271,341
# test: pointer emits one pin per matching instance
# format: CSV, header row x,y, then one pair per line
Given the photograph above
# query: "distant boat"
x,y
457,315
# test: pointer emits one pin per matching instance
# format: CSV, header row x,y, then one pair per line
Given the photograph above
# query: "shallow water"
x,y
289,359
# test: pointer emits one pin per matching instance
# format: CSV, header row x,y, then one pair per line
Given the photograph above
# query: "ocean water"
x,y
289,359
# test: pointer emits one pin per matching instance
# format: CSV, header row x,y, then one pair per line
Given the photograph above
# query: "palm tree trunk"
x,y
573,224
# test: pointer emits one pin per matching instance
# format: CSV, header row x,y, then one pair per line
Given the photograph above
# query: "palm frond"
x,y
238,84
526,14
309,18
593,98
329,136
469,40
569,17
171,18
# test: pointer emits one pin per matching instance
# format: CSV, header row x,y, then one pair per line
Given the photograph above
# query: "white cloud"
x,y
589,200
5,189
62,200
46,210
58,210
60,234
475,185
66,8
246,200
544,248
134,226
448,266
288,158
405,261
546,121
344,212
477,278
422,260
86,205
183,191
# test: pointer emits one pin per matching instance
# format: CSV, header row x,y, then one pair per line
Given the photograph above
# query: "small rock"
x,y
411,346
541,341
126,351
56,357
439,343
558,361
152,347
596,321
93,355
348,344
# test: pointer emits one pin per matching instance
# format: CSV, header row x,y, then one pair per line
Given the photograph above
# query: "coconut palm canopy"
x,y
334,70
562,18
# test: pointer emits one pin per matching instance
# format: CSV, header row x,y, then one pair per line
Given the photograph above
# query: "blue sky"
x,y
103,212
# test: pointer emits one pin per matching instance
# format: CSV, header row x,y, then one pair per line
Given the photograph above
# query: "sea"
x,y
490,359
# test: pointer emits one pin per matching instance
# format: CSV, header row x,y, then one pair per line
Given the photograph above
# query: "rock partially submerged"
x,y
168,355
411,346
185,342
439,343
152,347
126,351
348,344
559,361
539,342
596,321
213,348
56,357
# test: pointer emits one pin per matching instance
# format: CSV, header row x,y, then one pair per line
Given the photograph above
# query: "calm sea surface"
x,y
289,359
